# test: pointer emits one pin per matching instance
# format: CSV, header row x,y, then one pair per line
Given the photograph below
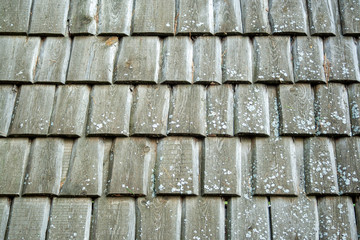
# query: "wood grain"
x,y
82,17
255,17
7,102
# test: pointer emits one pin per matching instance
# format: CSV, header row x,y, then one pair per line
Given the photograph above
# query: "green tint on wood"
x,y
15,15
7,102
255,17
322,17
227,17
354,104
350,17
82,17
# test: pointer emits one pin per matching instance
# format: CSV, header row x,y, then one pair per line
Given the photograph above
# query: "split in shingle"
x,y
4,215
354,104
83,17
350,17
227,17
15,16
322,17
7,103
255,17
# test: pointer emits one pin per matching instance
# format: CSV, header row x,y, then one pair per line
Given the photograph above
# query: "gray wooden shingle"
x,y
80,180
357,212
70,218
227,17
15,16
83,17
70,109
255,17
322,17
354,104
109,112
187,113
149,115
44,168
350,20
320,166
4,215
177,166
29,218
18,56
33,110
53,60
139,60
7,103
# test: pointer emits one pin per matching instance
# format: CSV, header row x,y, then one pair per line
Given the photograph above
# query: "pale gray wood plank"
x,y
348,164
107,167
80,180
7,102
296,108
227,17
114,218
139,60
149,114
308,56
220,110
29,218
322,17
332,110
15,16
274,112
18,56
354,104
320,166
83,17
44,168
207,60
33,110
350,20
70,109
204,218
177,51
195,17
68,146
252,110
53,60
109,112
115,17
237,66
158,218
187,113
336,218
4,215
177,166
255,17
222,166
70,218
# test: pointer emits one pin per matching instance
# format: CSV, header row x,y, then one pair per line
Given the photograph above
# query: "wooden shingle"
x,y
255,17
15,16
227,17
4,215
350,20
354,104
322,17
82,17
7,103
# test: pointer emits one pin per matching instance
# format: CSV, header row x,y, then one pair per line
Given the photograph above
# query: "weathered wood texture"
x,y
132,167
322,17
195,17
70,110
177,166
237,56
115,17
288,17
348,164
350,20
49,17
177,51
109,112
332,110
154,17
92,59
18,58
149,115
70,218
227,17
107,167
53,60
220,110
296,108
80,180
187,113
43,172
7,103
33,110
336,218
207,60
83,17
222,166
204,218
357,213
158,218
320,166
354,104
29,218
113,218
273,60
252,110
15,16
255,17
308,56
139,60
4,215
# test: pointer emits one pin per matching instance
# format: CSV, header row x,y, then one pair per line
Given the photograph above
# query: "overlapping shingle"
x,y
255,17
227,17
354,105
350,17
323,16
4,215
83,17
15,16
7,103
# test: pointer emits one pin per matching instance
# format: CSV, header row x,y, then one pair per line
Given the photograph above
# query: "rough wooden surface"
x,y
70,110
177,166
18,57
82,17
139,60
29,218
4,215
49,17
115,17
237,66
15,16
70,218
350,20
32,115
296,108
187,113
80,180
7,103
227,17
255,17
109,112
251,110
158,218
322,17
354,104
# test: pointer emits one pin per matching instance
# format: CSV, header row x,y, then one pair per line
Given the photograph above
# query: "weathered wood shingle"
x,y
227,17
322,17
354,104
15,16
83,17
350,17
7,102
255,17
4,215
